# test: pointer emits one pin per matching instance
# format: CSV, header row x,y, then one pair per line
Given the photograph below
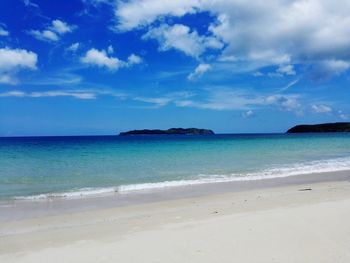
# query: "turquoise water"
x,y
64,166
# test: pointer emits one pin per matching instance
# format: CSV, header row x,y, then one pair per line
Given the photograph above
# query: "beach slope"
x,y
295,223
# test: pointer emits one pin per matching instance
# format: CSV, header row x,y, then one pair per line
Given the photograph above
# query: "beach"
x,y
296,219
174,131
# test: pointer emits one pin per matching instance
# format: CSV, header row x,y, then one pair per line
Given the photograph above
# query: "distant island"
x,y
172,131
324,127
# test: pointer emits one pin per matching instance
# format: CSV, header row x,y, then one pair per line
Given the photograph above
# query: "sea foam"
x,y
321,166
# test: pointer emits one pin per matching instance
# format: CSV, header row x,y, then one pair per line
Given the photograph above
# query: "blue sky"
x,y
103,66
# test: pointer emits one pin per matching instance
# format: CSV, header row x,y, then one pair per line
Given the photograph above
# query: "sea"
x,y
81,166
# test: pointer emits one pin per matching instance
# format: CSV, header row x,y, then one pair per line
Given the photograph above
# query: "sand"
x,y
272,224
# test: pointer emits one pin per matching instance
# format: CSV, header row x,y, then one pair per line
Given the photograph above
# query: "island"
x,y
324,127
172,131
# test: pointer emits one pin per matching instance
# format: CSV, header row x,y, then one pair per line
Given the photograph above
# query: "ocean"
x,y
46,167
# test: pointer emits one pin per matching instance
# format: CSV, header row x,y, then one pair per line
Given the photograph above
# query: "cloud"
x,y
96,3
199,71
13,60
110,49
328,68
158,101
45,35
286,70
289,85
101,59
61,27
247,114
30,4
134,59
342,115
91,7
135,13
52,93
17,58
4,32
166,99
74,47
285,102
264,33
222,100
53,32
336,66
77,94
8,79
321,108
227,99
182,38
94,57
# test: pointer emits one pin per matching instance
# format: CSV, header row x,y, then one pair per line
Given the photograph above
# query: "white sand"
x,y
279,224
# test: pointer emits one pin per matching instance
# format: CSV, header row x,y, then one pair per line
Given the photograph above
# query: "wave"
x,y
321,166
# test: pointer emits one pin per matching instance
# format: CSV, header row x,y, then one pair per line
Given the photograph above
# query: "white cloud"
x,y
136,13
228,99
101,59
61,27
283,70
13,60
289,85
229,58
158,101
337,66
225,99
8,79
266,33
45,35
110,49
134,59
74,47
286,70
51,93
17,58
182,38
247,114
222,99
83,94
199,71
328,68
285,102
321,108
55,93
53,32
342,115
3,32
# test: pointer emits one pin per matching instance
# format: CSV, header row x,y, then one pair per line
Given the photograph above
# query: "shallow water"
x,y
38,167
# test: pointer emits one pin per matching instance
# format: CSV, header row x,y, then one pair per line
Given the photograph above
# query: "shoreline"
x,y
338,164
17,209
285,220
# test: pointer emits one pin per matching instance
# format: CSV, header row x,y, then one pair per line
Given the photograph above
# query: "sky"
x,y
91,67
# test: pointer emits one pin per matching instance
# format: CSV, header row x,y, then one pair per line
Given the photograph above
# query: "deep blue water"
x,y
53,165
